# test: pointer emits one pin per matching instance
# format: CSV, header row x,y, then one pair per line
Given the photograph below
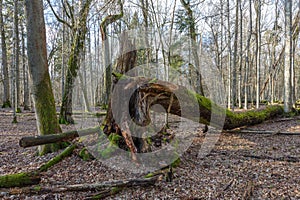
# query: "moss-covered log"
x,y
32,178
183,104
30,141
68,151
19,179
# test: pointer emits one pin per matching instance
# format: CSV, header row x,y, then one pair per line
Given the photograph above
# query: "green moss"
x,y
37,188
6,104
104,106
114,138
85,154
149,141
57,158
112,191
19,179
100,114
154,80
108,152
176,163
150,175
18,110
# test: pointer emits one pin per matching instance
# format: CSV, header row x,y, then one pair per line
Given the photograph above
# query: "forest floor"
x,y
262,164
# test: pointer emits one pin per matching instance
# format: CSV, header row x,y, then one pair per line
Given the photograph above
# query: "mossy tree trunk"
x,y
161,92
38,67
79,31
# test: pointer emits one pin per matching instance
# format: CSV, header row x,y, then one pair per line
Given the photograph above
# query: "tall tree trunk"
x,y
106,52
6,94
240,57
230,103
274,42
288,103
25,74
16,55
195,53
66,110
38,68
235,54
258,49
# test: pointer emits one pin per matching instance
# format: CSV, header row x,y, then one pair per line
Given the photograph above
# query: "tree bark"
x,y
38,67
79,31
116,185
195,53
6,94
30,141
110,19
288,103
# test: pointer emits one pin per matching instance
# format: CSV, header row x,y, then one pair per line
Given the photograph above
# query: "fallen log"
x,y
30,141
33,177
264,132
160,92
116,185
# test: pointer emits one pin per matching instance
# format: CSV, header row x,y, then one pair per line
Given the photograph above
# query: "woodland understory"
x,y
240,166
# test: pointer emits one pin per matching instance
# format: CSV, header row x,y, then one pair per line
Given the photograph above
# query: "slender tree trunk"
x,y
258,50
25,74
235,54
274,53
6,94
240,57
229,56
74,64
288,103
195,53
106,52
17,55
38,67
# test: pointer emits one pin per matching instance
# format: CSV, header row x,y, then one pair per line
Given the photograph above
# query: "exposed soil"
x,y
266,165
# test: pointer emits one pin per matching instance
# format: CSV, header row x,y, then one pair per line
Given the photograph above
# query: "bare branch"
x,y
57,17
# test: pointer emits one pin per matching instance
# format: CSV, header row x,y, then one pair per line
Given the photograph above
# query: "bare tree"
x,y
257,4
288,103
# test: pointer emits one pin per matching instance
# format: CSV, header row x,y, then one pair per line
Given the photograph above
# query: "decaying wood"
x,y
30,141
283,158
160,92
264,132
33,177
104,186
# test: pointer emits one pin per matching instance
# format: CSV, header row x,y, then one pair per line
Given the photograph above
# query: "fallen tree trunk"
x,y
53,138
116,185
33,177
265,132
160,92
